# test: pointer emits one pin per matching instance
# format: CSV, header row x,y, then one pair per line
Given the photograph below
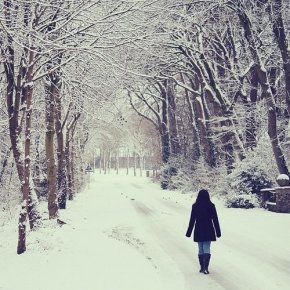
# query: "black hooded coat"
x,y
205,222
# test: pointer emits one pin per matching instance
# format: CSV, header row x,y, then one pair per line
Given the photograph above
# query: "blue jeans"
x,y
204,247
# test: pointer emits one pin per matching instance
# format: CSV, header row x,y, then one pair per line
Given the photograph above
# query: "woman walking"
x,y
205,220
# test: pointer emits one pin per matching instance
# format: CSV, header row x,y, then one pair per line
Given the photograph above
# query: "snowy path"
x,y
125,233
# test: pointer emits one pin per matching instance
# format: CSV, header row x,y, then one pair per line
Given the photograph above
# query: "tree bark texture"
x,y
25,188
117,161
282,42
134,163
192,122
164,130
219,107
128,162
174,138
68,166
49,147
251,123
198,104
69,153
19,96
230,138
62,190
266,91
203,131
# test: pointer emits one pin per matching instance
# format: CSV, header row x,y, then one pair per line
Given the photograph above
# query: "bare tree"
x,y
241,11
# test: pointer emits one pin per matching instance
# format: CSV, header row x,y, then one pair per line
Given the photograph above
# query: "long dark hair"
x,y
203,197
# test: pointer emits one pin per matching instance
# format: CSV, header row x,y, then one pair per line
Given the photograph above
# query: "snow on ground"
x,y
123,232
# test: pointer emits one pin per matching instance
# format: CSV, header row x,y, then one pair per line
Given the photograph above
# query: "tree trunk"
x,y
164,131
23,166
27,206
266,91
218,104
21,246
282,42
105,163
36,174
201,119
49,148
72,171
33,214
128,161
13,105
165,136
100,164
134,163
225,131
251,124
68,165
203,131
109,162
141,163
173,131
117,161
69,154
230,139
195,136
61,160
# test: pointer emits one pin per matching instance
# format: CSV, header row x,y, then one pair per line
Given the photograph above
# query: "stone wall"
x,y
283,199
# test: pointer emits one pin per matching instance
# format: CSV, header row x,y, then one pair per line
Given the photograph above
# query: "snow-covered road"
x,y
123,232
249,255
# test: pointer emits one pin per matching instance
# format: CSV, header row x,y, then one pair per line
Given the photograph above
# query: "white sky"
x,y
123,233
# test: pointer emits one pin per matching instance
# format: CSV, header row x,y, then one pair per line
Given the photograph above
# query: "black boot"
x,y
200,258
206,259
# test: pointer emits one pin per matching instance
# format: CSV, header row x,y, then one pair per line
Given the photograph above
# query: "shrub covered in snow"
x,y
242,201
10,195
245,183
167,171
182,174
176,174
247,179
241,188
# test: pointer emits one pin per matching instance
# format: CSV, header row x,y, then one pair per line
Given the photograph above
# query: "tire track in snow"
x,y
251,252
246,246
235,265
176,250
